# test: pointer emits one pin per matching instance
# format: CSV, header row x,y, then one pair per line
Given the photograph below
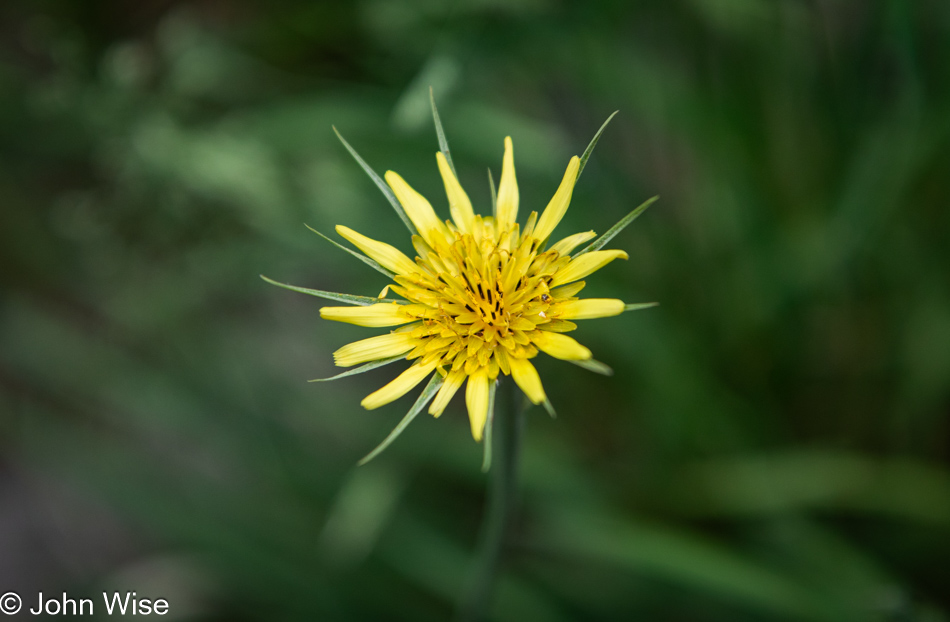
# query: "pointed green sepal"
x,y
640,305
349,299
369,262
362,368
590,147
383,187
600,242
595,366
443,143
549,407
489,423
427,394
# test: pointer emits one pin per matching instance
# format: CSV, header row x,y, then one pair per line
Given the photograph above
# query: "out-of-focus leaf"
x,y
360,512
439,74
793,481
440,568
675,556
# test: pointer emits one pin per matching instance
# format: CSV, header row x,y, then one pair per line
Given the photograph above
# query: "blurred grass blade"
x,y
683,558
346,298
443,143
424,398
590,147
640,305
384,188
363,368
595,366
369,262
600,242
489,422
494,195
805,480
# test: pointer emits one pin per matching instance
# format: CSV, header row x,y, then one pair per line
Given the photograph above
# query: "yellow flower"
x,y
481,298
484,296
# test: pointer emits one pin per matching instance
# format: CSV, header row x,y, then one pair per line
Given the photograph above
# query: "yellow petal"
x,y
507,212
373,349
529,225
581,266
403,383
385,255
590,308
526,376
502,360
453,381
418,209
476,399
381,314
566,245
459,204
556,209
568,291
561,346
559,326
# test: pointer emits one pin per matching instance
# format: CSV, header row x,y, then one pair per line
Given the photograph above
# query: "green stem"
x,y
507,432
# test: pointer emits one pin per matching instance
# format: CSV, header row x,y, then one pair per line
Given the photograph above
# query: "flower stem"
x,y
502,492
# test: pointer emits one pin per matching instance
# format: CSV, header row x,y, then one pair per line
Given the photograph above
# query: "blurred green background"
x,y
775,442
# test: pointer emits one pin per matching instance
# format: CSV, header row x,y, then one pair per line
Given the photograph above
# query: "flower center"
x,y
480,300
488,304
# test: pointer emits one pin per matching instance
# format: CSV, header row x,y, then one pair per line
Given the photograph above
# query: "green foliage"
x,y
772,446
